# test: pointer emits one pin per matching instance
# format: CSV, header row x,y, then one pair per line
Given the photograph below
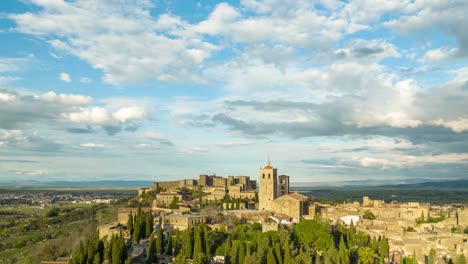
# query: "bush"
x,y
368,215
53,212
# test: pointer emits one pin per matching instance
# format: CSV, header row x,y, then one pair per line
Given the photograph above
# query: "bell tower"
x,y
268,188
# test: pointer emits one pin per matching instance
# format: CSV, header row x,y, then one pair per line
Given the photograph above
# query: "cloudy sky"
x,y
158,90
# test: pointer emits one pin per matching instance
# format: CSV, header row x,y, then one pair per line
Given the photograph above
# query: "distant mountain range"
x,y
77,183
400,184
393,184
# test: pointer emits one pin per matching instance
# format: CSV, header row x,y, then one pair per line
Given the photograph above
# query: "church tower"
x,y
268,188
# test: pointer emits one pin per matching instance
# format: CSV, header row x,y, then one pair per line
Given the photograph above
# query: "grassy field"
x,y
29,234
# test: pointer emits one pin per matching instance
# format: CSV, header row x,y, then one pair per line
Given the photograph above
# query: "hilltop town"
x,y
420,231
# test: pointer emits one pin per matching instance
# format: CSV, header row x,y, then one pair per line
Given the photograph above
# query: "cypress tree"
x,y
287,253
278,255
432,255
234,252
176,250
227,247
151,256
136,231
207,242
344,257
148,224
197,248
168,250
159,240
241,253
130,222
461,259
271,257
187,244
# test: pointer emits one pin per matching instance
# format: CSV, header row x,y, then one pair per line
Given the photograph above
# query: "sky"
x,y
330,91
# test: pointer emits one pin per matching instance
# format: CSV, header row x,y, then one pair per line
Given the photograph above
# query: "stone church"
x,y
274,195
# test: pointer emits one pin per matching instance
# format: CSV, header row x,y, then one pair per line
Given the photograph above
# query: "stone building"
x,y
184,221
167,198
283,185
268,188
294,205
212,181
143,190
275,196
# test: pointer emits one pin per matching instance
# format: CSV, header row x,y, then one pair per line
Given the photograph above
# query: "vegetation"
x,y
368,215
29,234
431,219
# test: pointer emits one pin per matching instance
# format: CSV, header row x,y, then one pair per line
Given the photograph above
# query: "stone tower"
x,y
268,188
283,185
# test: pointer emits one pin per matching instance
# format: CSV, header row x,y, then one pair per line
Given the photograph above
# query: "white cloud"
x,y
6,97
438,55
129,113
375,162
65,77
93,116
411,160
91,145
30,172
447,16
121,39
399,119
67,99
458,125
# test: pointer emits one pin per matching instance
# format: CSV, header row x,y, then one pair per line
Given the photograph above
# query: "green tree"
x,y
314,233
152,256
342,252
241,253
130,222
271,257
168,250
187,244
197,248
366,255
149,222
278,255
206,240
137,231
368,215
176,250
461,259
159,240
432,257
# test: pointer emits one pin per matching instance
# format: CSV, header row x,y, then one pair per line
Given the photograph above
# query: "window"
x,y
263,175
268,175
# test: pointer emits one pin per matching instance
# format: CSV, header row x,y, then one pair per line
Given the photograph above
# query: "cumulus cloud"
x,y
65,77
67,99
121,39
20,110
367,50
447,16
129,113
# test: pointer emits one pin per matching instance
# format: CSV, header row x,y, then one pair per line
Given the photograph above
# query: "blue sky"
x,y
156,90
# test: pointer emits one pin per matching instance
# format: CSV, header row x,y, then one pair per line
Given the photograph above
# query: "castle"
x,y
273,192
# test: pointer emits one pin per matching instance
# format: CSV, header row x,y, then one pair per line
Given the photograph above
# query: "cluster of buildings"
x,y
46,198
404,226
273,205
